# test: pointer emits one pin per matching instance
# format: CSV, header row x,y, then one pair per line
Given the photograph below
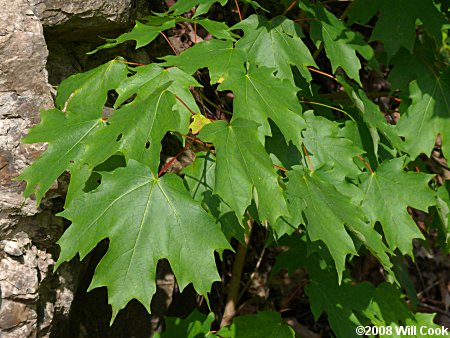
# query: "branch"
x,y
236,274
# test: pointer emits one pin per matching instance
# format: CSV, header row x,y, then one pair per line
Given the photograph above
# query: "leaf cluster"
x,y
302,157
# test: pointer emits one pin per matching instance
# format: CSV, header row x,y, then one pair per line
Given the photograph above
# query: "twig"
x,y
194,139
167,165
290,7
184,104
131,63
258,263
331,107
67,102
309,159
236,274
170,43
195,32
321,73
280,168
366,163
238,9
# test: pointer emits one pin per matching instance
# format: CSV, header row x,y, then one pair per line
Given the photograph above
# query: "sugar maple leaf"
x,y
243,166
372,116
328,216
261,324
388,193
142,33
325,145
81,98
199,178
184,6
428,114
146,219
396,25
275,44
252,90
137,128
222,58
341,43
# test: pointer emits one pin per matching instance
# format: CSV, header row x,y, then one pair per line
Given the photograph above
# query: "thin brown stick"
x,y
366,163
195,32
280,168
253,274
328,106
170,43
321,73
194,139
290,7
167,165
184,104
131,63
309,159
238,9
236,274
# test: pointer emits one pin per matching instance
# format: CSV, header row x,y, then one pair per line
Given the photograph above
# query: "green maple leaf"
x,y
196,325
383,305
341,43
243,166
388,192
217,29
137,128
326,295
184,6
86,93
328,216
262,324
396,25
222,58
428,114
325,144
142,33
443,212
275,44
372,116
200,179
146,219
81,97
259,95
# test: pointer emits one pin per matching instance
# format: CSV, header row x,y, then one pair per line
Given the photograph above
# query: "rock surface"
x,y
33,300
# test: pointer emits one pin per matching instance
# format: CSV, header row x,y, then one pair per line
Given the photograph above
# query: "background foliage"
x,y
320,131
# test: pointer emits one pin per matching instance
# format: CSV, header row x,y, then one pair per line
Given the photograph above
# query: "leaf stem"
x,y
366,163
321,73
238,9
194,139
170,43
290,7
328,106
168,164
280,168
309,158
131,63
184,104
